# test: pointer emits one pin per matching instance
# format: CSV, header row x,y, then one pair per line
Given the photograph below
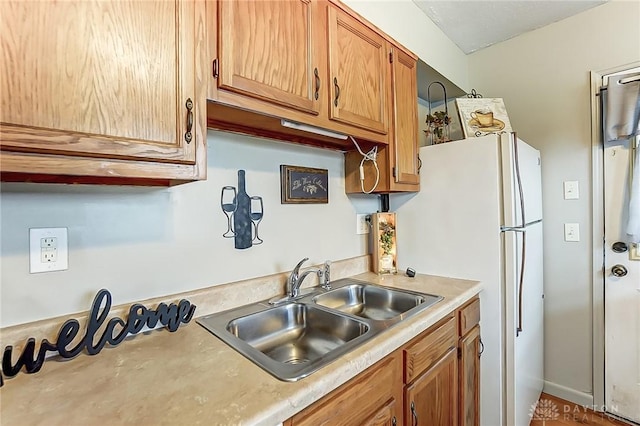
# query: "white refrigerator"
x,y
478,216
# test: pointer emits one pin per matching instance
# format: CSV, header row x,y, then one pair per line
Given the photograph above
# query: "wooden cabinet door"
x,y
268,50
386,416
469,367
358,72
108,79
371,398
405,118
431,400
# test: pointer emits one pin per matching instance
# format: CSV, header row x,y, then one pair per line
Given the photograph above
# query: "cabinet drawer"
x,y
469,316
373,395
428,348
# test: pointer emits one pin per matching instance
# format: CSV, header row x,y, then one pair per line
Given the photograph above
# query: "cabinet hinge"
x,y
393,171
215,68
391,57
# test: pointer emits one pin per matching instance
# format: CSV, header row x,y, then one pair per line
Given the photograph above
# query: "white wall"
x,y
543,77
146,242
408,25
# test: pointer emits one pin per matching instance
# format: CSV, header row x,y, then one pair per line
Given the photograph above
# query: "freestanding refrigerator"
x,y
478,216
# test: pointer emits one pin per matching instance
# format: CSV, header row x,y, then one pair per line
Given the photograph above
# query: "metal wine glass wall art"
x,y
243,213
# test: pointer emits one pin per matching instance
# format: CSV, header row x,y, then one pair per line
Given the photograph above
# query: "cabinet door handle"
x,y
335,85
215,68
315,73
481,348
414,414
394,422
419,163
188,135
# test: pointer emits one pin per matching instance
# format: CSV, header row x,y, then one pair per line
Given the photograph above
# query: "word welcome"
x,y
115,332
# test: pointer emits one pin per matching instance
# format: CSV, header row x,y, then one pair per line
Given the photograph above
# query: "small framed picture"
x,y
482,116
303,185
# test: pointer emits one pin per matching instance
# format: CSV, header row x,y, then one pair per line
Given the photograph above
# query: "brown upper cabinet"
x,y
398,162
311,62
359,70
404,144
269,50
102,92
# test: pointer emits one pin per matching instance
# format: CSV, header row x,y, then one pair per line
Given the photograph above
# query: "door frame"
x,y
597,214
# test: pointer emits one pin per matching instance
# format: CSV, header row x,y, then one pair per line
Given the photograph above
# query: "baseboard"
x,y
568,394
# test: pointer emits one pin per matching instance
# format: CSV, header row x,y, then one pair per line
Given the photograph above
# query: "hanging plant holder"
x,y
438,122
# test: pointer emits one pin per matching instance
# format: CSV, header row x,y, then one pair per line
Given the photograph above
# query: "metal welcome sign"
x,y
116,330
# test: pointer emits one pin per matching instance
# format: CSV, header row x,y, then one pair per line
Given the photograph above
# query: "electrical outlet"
x,y
49,255
48,242
48,250
362,224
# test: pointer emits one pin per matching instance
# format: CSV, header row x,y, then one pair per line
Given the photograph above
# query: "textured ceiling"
x,y
473,25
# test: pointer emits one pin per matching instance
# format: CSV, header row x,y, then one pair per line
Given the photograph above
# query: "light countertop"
x,y
192,377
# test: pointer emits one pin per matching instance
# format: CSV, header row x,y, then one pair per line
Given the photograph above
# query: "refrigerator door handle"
x,y
521,280
518,178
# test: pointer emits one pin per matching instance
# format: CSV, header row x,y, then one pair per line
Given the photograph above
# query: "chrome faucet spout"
x,y
294,281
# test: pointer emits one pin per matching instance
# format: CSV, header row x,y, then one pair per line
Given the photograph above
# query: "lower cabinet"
x,y
372,398
431,376
469,350
469,366
431,398
433,380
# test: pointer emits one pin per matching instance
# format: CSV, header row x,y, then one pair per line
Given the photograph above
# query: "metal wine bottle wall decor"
x,y
243,213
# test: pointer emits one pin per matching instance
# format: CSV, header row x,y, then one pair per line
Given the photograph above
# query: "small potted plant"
x,y
438,127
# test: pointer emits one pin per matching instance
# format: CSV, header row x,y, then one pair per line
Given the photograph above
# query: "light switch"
x,y
571,190
571,232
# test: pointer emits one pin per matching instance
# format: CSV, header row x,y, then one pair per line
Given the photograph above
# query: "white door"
x,y
622,293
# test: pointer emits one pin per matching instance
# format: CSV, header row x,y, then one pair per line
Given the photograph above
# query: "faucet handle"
x,y
326,275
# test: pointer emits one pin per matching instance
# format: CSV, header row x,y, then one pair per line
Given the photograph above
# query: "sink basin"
x,y
289,341
372,301
296,333
292,339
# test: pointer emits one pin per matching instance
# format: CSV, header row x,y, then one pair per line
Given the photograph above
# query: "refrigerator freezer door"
x,y
525,349
522,182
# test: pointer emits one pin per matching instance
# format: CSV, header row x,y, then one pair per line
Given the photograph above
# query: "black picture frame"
x,y
303,185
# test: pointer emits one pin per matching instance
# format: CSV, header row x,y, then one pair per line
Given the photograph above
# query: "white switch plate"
x,y
571,190
571,232
362,226
48,250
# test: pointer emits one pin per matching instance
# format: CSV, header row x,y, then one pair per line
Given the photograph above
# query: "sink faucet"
x,y
295,278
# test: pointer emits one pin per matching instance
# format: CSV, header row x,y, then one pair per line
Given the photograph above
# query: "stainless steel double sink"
x,y
294,338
